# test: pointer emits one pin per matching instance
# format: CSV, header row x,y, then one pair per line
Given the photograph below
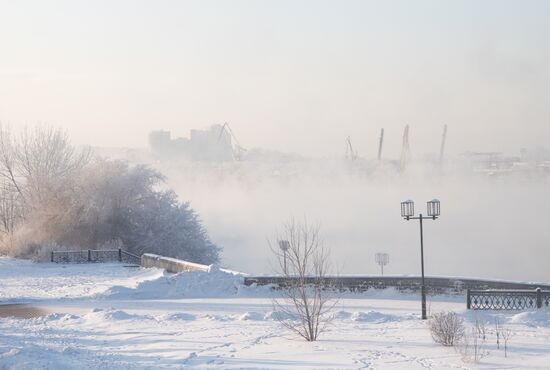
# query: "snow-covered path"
x,y
112,317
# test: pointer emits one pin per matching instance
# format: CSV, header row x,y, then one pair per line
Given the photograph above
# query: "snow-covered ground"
x,y
107,316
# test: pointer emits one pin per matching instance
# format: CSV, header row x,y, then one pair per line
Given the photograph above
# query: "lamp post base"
x,y
424,315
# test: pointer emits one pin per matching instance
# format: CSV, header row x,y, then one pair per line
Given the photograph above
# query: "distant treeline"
x,y
55,196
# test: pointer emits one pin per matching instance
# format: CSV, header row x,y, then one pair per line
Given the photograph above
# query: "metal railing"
x,y
507,299
94,255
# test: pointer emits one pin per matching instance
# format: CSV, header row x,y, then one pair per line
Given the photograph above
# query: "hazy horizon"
x,y
293,76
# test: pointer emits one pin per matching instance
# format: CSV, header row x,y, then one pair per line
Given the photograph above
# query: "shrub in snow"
x,y
447,328
472,346
506,334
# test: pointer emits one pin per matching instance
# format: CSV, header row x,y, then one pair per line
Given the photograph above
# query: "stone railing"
x,y
173,265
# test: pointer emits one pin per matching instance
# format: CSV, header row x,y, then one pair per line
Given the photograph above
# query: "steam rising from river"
x,y
489,227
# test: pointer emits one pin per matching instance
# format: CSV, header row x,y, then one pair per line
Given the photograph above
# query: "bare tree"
x,y
506,334
480,327
498,329
10,211
447,328
37,172
38,162
8,159
307,295
45,155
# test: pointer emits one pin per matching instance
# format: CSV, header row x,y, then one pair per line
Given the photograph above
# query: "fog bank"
x,y
493,227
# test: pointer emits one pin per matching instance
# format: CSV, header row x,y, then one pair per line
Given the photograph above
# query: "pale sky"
x,y
278,71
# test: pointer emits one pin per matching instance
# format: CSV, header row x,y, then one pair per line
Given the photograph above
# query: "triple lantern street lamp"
x,y
407,212
382,259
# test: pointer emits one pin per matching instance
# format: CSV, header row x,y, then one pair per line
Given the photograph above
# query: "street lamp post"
x,y
407,212
382,259
285,246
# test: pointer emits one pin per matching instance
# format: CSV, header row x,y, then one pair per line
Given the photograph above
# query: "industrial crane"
x,y
442,150
350,152
238,150
405,149
380,145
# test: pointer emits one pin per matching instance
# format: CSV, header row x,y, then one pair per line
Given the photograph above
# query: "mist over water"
x,y
492,227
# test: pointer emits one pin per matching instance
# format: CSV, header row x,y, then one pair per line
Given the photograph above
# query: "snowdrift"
x,y
538,318
212,282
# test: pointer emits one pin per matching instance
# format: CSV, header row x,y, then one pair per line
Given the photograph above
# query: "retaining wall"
x,y
410,283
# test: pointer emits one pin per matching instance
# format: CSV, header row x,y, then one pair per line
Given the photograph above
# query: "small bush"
x,y
472,346
447,328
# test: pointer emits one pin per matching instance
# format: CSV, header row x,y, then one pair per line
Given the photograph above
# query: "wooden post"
x,y
89,255
539,297
119,255
468,304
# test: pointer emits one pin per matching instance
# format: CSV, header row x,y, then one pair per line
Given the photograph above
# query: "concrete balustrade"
x,y
170,264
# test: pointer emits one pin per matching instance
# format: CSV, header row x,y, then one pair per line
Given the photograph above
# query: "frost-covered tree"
x,y
36,169
54,194
37,162
120,202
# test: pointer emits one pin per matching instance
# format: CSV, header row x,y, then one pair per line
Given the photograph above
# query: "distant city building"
x,y
214,144
160,142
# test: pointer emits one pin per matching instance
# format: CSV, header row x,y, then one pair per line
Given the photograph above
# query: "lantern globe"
x,y
284,245
434,208
407,208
